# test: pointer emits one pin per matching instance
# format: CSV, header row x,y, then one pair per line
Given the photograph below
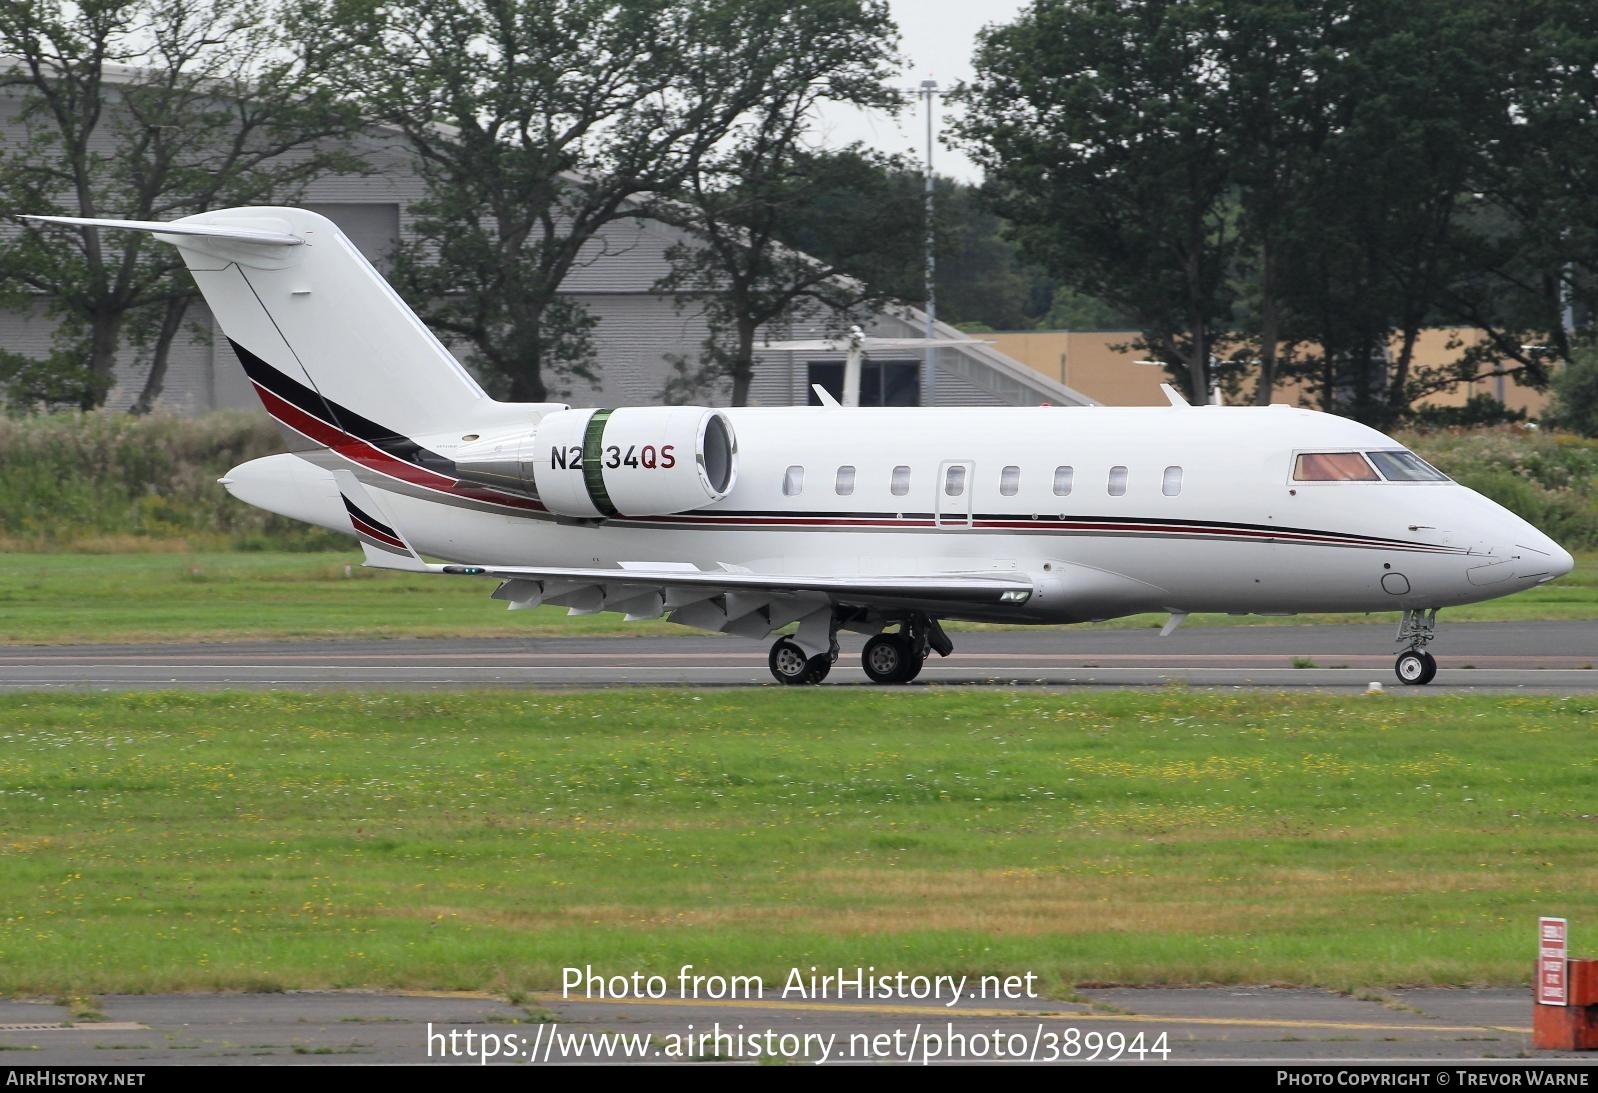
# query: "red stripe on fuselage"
x,y
374,458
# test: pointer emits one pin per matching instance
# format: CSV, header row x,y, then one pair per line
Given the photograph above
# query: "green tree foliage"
x,y
1293,173
535,123
1101,139
773,227
982,279
1575,404
831,235
145,110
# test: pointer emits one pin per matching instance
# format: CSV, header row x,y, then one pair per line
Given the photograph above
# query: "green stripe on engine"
x,y
594,462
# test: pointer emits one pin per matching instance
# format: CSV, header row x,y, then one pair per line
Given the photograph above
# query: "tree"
x,y
1576,393
795,232
981,277
534,124
1532,228
1413,95
145,110
772,226
1316,180
1100,125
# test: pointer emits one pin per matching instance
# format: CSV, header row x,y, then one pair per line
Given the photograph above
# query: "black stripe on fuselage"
x,y
339,417
890,520
312,402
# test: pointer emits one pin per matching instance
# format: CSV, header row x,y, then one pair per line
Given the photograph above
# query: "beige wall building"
x,y
1102,365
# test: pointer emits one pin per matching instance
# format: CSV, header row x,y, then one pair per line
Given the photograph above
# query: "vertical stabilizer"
x,y
333,351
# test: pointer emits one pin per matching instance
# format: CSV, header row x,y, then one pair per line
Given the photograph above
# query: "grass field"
x,y
153,842
76,598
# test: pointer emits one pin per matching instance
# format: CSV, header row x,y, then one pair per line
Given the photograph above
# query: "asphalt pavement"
x,y
1534,656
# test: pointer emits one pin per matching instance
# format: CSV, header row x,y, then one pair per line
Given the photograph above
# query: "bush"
x,y
1575,404
1550,479
113,481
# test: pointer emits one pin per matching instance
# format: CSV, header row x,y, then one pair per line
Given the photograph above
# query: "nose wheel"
x,y
1415,667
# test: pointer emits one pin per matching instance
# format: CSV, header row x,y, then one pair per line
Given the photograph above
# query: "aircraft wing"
x,y
749,604
723,599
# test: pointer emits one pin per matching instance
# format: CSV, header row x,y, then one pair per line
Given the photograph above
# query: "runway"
x,y
1132,1026
1533,656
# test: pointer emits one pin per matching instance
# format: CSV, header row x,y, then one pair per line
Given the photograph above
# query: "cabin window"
x,y
1172,484
954,481
1009,481
1062,481
1117,481
901,481
1405,467
845,483
793,483
1333,467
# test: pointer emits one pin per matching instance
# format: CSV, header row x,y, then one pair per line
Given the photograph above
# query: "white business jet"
x,y
880,521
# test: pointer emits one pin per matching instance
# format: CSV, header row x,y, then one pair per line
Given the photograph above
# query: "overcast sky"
x,y
937,37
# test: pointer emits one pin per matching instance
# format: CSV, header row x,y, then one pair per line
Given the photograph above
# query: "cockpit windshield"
x,y
1395,465
1402,466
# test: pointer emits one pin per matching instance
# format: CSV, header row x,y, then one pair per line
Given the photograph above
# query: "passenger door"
x,y
956,482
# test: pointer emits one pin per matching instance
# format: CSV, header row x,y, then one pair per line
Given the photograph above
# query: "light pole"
x,y
929,370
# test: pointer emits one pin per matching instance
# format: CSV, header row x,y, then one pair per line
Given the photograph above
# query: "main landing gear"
x,y
1415,666
899,658
888,658
790,665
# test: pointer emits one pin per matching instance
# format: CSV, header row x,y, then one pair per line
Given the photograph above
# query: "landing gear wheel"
x,y
789,664
1415,667
888,658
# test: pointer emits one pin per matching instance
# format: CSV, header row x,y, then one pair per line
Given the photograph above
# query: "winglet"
x,y
385,545
1173,396
824,395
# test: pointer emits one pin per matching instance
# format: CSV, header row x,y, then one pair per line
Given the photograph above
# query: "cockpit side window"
x,y
1333,467
1402,466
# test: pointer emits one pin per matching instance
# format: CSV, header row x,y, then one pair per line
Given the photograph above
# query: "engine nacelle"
x,y
635,461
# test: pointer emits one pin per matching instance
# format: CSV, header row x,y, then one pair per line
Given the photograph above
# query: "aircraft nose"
x,y
1543,561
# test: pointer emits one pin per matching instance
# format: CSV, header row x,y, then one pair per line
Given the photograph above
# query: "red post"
x,y
1574,1025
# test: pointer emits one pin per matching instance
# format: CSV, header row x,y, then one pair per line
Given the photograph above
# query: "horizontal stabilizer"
x,y
210,231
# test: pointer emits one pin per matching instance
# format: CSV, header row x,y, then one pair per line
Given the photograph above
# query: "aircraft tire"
x,y
790,666
1415,668
1431,667
887,659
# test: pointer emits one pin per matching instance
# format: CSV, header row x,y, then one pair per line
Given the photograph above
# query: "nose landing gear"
x,y
1416,629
